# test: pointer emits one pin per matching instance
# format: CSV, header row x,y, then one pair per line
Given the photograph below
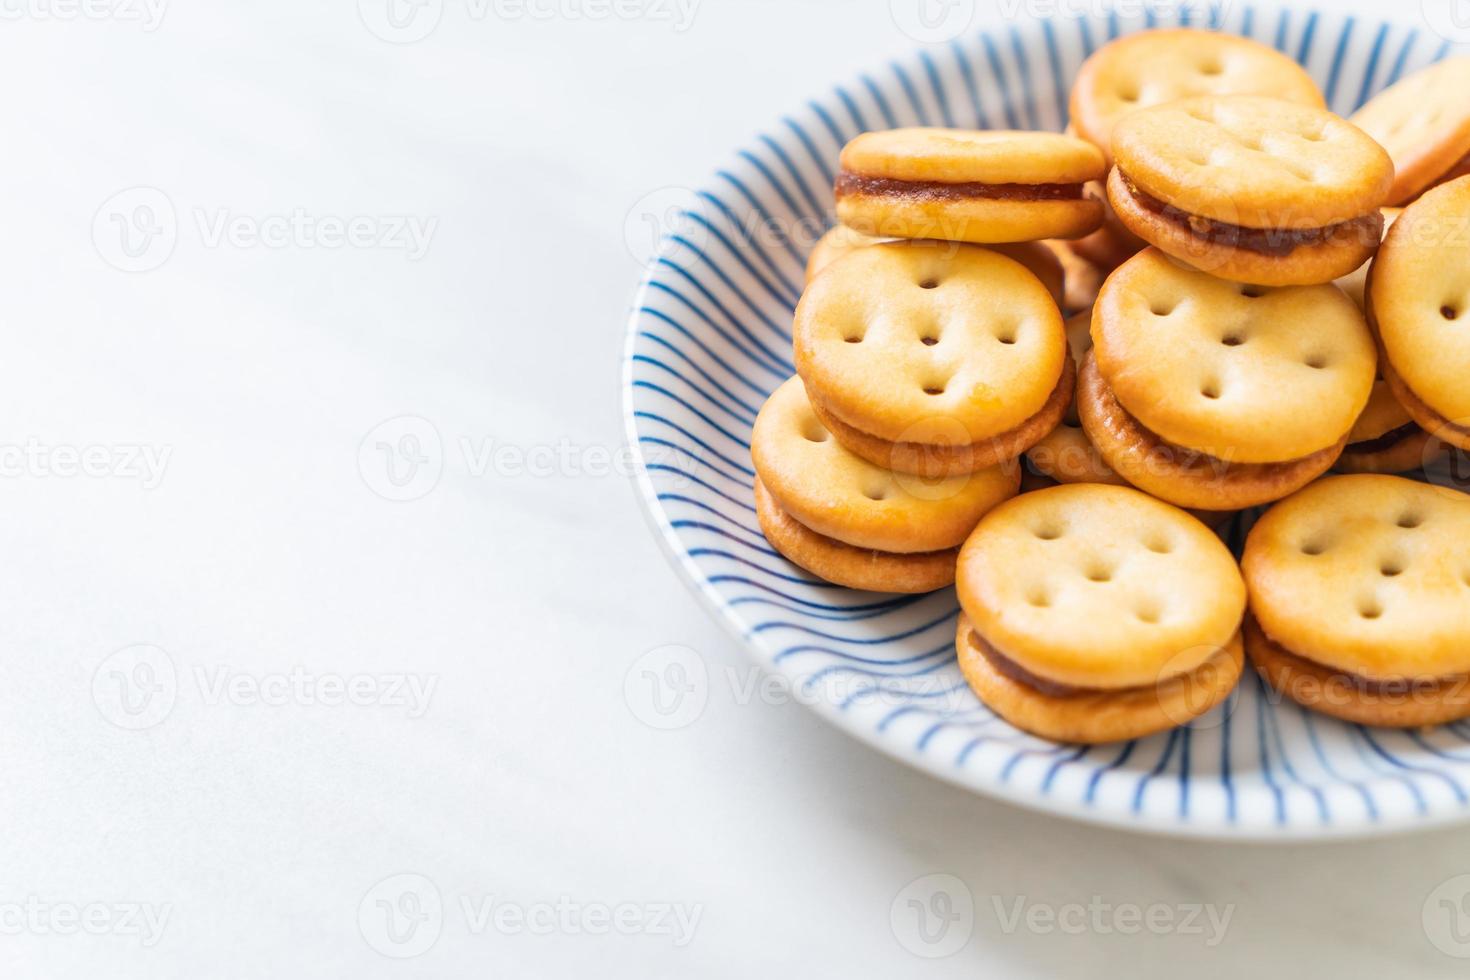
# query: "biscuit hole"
x,y
1038,597
1314,136
1212,68
1048,532
1148,612
812,431
1099,573
929,284
1159,546
1314,547
928,341
853,340
934,390
1161,308
1210,389
1232,340
1129,94
1370,608
1391,568
1449,312
1252,292
1203,115
1006,337
1317,362
875,492
1410,520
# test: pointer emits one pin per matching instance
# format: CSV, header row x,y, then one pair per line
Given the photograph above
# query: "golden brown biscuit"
x,y
1419,304
932,361
1217,396
1066,455
968,186
1112,244
850,522
1096,613
1035,256
1154,67
1251,189
1423,121
1386,439
1360,589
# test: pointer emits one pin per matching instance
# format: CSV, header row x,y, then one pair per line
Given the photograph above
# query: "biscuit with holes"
x,y
1035,256
933,361
1360,596
960,185
1423,121
1251,189
1419,304
1096,613
1154,67
847,521
1219,396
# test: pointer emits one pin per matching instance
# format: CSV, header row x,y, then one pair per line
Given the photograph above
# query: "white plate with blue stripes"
x,y
709,339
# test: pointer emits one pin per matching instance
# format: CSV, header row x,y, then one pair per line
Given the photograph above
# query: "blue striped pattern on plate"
x,y
710,338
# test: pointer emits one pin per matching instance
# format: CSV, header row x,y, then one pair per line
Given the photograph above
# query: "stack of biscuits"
x,y
1046,368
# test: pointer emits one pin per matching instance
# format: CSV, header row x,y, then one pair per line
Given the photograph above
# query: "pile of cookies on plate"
x,y
1262,292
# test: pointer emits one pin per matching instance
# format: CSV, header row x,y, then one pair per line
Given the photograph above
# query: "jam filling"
x,y
1396,688
1275,242
934,190
1384,442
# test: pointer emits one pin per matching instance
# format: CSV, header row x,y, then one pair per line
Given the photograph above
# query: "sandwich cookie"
x,y
1423,122
1154,67
1360,600
1252,189
933,361
849,522
1214,395
1035,256
1419,305
969,185
1094,613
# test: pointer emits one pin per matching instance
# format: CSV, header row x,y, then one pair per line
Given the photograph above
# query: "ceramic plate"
x,y
710,338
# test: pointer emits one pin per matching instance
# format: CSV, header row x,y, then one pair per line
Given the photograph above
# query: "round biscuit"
x,y
1244,374
1366,574
1419,300
957,156
844,497
1423,121
1254,162
1154,67
1093,717
1098,586
843,564
946,346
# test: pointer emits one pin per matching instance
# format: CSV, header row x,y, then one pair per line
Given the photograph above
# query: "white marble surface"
x,y
230,530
